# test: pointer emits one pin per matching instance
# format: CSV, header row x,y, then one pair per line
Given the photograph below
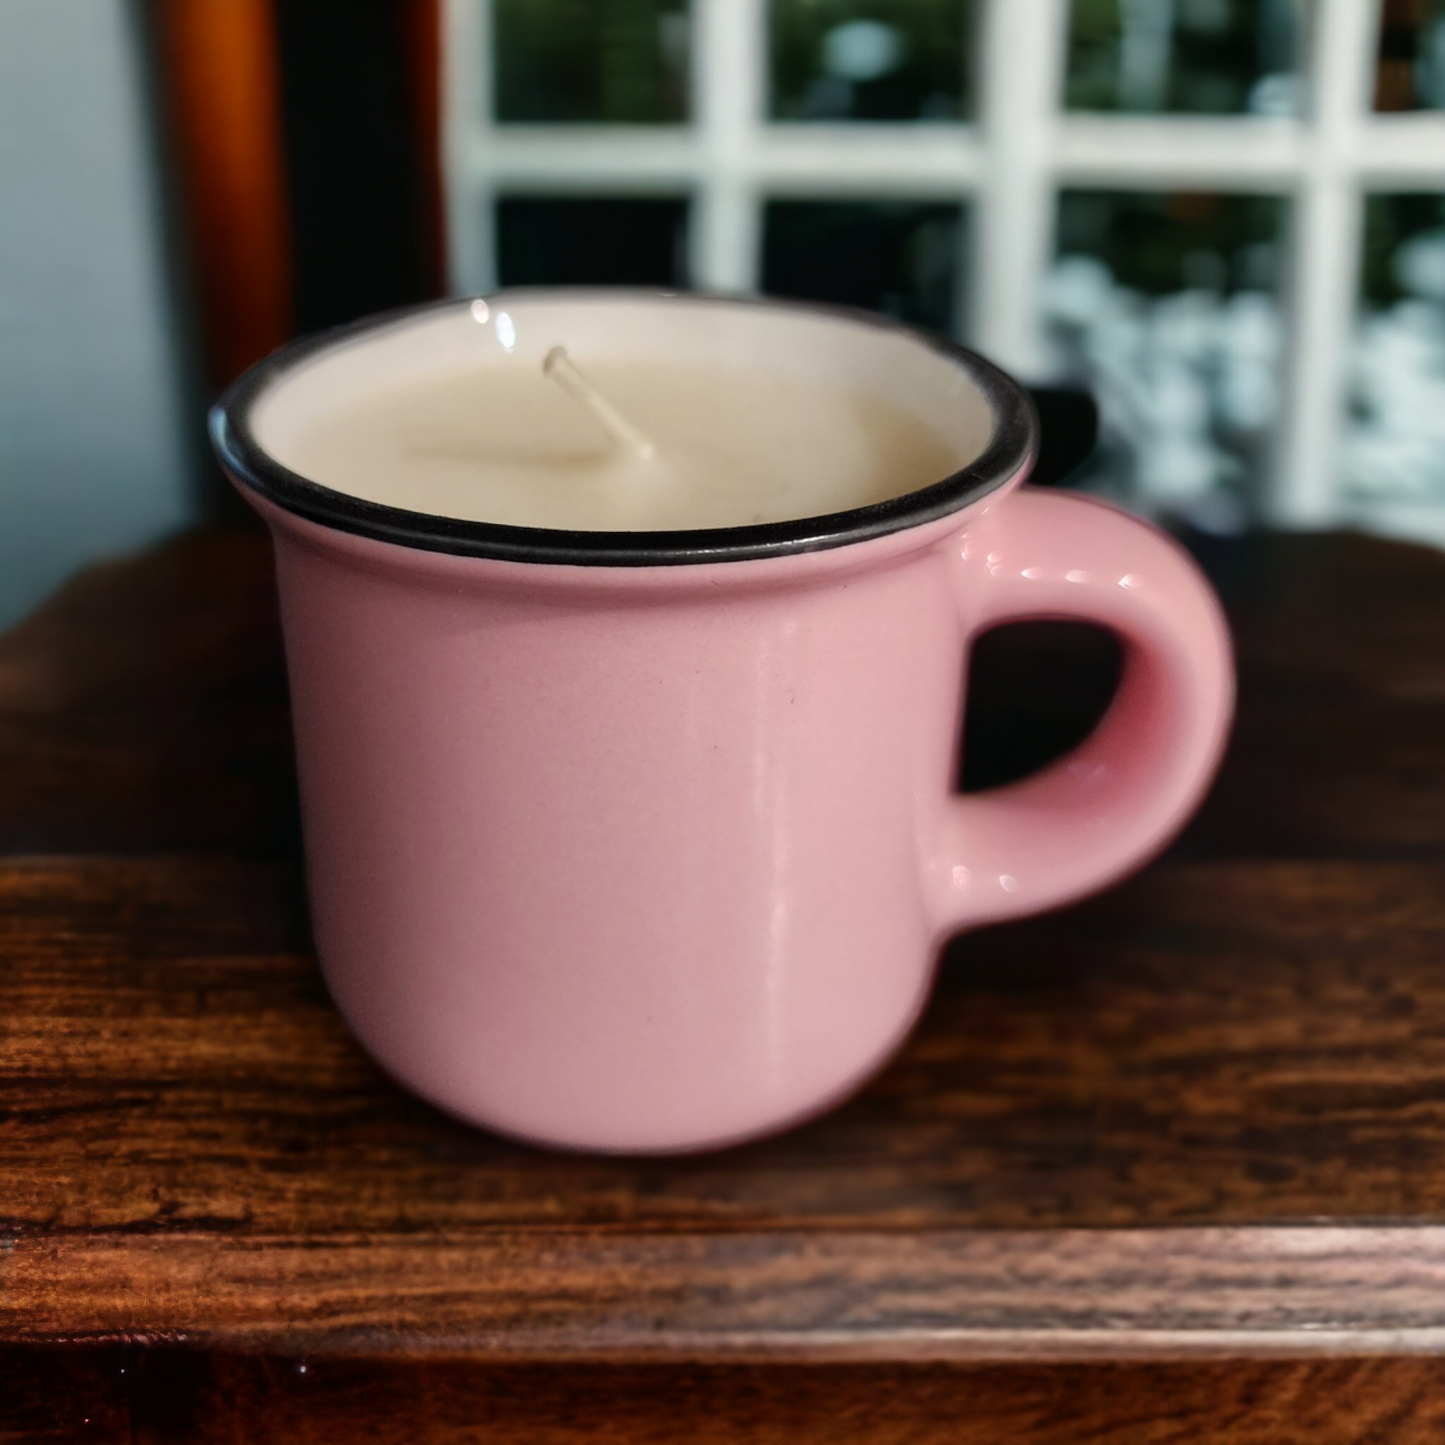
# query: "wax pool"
x,y
503,443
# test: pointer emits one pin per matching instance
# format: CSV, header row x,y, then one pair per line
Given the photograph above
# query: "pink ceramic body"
x,y
658,858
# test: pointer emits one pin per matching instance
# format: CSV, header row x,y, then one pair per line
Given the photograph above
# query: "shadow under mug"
x,y
646,841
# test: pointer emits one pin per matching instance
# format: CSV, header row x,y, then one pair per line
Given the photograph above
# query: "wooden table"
x,y
1166,1166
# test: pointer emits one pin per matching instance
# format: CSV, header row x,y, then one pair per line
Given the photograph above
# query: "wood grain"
x,y
1255,1404
812,1295
1337,744
56,1397
166,1397
1215,1043
1198,1118
144,709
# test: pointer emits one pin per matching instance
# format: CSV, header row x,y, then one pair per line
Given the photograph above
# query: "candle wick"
x,y
563,370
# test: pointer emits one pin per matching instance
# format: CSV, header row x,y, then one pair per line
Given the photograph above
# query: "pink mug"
x,y
647,841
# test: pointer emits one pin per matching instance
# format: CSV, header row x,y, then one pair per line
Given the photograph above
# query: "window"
x,y
1224,214
584,240
870,59
1208,57
1394,455
1410,74
1166,304
613,61
897,257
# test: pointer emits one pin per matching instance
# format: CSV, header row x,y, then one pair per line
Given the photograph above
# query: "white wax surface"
x,y
503,443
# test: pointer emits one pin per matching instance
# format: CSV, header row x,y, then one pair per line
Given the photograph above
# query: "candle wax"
x,y
502,443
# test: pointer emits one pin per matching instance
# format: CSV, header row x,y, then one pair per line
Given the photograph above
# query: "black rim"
x,y
1011,447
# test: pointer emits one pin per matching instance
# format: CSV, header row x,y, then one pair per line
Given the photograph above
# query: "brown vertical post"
x,y
421,20
221,106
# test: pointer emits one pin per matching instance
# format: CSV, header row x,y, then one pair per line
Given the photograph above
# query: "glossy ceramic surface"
x,y
651,858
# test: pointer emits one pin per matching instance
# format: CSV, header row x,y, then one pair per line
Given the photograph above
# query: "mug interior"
x,y
983,417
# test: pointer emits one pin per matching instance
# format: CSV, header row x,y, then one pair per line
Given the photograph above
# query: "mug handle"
x,y
1116,799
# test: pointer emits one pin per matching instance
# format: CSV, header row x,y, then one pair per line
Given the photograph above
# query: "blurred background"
x,y
1223,219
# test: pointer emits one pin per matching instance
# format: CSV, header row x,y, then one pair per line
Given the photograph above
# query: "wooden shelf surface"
x,y
1201,1117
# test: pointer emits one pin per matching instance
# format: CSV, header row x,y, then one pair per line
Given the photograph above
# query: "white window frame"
x,y
1007,166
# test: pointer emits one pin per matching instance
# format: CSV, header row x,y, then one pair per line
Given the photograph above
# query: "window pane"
x,y
871,59
569,240
899,258
1165,305
1394,456
622,61
1213,57
1410,72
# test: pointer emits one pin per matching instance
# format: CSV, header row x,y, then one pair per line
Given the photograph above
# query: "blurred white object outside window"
x,y
1394,458
1187,385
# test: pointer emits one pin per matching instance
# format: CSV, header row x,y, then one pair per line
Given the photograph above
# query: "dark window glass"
x,y
1166,307
1394,453
1410,71
1161,242
1401,257
897,257
1213,57
871,59
621,61
570,240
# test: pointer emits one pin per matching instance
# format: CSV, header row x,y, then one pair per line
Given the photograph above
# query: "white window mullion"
x,y
1020,74
929,160
1324,257
1176,152
468,126
729,65
581,159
